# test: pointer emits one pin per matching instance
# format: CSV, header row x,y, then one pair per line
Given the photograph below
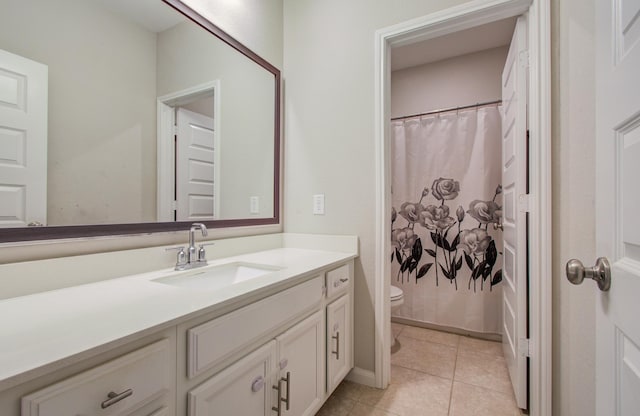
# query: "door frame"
x,y
166,129
448,21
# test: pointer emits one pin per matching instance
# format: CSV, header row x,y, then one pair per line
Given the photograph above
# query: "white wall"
x,y
256,24
329,128
462,80
329,69
573,151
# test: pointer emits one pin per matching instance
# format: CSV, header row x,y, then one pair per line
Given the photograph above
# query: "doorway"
x,y
537,345
189,154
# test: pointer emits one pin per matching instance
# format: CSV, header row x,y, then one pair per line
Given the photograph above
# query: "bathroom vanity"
x,y
258,333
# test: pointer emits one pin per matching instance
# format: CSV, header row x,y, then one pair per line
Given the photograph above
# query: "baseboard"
x,y
460,331
361,376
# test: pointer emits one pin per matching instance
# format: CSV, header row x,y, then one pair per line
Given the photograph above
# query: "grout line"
x,y
453,377
422,372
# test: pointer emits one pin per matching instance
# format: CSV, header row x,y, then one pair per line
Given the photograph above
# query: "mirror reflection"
x,y
119,111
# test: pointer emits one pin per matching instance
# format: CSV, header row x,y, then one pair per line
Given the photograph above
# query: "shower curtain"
x,y
446,195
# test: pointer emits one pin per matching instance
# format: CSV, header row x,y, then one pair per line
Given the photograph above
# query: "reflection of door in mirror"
x,y
188,146
195,163
23,141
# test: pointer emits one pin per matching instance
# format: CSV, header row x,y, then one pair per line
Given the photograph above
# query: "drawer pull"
x,y
114,398
344,280
337,351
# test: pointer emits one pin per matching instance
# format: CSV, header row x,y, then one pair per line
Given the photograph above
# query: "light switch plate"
x,y
318,204
254,205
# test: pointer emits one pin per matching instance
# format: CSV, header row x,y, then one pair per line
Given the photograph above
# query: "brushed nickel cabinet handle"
x,y
278,388
287,379
337,351
278,407
114,398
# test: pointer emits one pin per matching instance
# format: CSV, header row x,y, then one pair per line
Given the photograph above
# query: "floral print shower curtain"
x,y
447,202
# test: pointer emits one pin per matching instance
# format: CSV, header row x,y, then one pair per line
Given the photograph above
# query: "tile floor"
x,y
433,374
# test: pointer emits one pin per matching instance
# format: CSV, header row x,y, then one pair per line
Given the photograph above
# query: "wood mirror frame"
x,y
78,231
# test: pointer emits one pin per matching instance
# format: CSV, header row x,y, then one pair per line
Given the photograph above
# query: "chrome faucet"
x,y
192,251
194,257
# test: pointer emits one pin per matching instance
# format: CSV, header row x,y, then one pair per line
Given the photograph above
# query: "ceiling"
x,y
153,15
476,39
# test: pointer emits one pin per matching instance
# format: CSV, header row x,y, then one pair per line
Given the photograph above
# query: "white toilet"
x,y
397,299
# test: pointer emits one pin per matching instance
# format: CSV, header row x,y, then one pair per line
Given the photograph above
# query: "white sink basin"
x,y
216,277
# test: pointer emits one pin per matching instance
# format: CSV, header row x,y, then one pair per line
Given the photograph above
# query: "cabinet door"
x,y
244,388
301,360
339,341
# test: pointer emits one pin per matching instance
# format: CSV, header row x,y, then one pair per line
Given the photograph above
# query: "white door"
x,y
301,359
339,333
195,167
23,141
244,388
514,176
618,206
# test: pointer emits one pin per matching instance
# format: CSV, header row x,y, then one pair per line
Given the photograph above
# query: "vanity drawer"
x,y
118,387
338,280
212,342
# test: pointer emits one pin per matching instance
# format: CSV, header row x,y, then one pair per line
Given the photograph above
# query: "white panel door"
x,y
23,141
514,177
301,358
339,341
618,206
195,166
244,388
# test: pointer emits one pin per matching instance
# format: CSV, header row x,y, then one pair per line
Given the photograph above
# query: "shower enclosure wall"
x,y
446,193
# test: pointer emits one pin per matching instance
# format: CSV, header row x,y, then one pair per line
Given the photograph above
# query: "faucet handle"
x,y
202,255
181,260
179,248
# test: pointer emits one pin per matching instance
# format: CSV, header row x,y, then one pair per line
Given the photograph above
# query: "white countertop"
x,y
41,329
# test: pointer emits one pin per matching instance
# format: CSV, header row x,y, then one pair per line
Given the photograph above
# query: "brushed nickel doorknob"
x,y
601,272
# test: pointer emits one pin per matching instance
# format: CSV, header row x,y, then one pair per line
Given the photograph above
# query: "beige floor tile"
x,y
410,393
396,328
348,390
336,406
424,334
483,370
364,410
481,345
429,357
467,400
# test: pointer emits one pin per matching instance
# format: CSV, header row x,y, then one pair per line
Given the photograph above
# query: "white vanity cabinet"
x,y
280,351
283,377
293,372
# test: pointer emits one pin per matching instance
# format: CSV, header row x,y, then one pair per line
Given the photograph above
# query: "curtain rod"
x,y
444,110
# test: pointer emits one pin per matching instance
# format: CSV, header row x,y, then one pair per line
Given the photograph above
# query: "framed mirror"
x,y
121,117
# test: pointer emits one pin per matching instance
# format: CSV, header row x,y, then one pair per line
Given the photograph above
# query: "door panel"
x,y
244,388
302,349
23,141
618,205
195,156
339,341
514,176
